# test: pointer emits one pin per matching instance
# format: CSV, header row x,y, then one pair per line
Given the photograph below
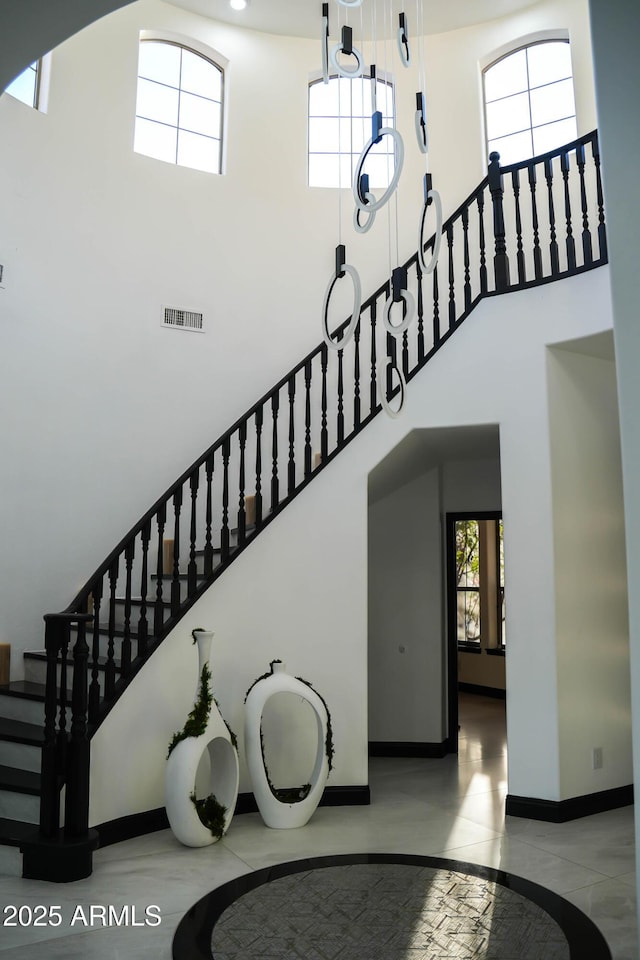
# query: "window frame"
x,y
525,43
490,589
37,66
381,77
217,60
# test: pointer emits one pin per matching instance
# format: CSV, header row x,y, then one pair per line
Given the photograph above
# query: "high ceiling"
x,y
301,18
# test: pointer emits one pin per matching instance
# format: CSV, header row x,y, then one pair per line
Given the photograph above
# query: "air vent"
x,y
179,319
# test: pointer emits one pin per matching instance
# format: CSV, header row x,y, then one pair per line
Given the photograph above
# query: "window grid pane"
x,y
179,106
340,126
529,101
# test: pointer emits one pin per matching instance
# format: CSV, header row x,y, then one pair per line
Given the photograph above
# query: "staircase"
x,y
545,218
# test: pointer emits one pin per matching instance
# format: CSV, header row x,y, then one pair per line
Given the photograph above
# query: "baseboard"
x,y
138,824
496,692
560,811
409,748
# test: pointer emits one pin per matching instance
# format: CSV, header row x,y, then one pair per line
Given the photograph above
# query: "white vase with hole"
x,y
202,773
276,807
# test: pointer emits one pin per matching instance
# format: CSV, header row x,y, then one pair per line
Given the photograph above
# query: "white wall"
x,y
407,584
101,407
95,239
592,629
406,654
300,592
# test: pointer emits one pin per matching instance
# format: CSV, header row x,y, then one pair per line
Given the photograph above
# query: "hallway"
x,y
451,808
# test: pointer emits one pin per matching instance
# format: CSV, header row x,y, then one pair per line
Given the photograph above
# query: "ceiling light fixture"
x,y
238,4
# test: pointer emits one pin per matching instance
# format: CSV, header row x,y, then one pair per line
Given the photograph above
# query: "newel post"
x,y
496,188
55,854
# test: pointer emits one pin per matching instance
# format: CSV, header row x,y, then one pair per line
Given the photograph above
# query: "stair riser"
x,y
23,756
19,806
20,708
10,861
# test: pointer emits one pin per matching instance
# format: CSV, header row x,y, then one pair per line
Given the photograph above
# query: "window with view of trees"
x,y
479,583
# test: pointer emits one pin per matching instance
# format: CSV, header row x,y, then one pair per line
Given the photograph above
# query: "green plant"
x,y
211,813
199,717
197,720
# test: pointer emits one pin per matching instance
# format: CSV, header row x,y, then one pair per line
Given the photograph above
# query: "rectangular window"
x,y
479,583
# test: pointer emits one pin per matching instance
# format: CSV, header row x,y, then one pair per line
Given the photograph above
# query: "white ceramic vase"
x,y
274,811
185,759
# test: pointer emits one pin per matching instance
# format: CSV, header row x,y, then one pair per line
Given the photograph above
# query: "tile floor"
x,y
452,807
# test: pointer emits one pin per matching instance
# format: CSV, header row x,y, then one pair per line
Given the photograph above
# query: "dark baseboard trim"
x,y
138,824
560,811
383,748
135,825
495,692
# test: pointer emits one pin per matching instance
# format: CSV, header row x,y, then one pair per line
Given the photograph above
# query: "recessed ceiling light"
x,y
238,4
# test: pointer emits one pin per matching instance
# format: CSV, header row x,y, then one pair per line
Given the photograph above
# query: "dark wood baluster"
x,y
467,275
571,243
143,626
110,667
125,654
259,421
587,249
420,309
308,466
356,378
482,241
602,233
537,252
553,244
373,392
208,536
158,612
224,531
94,688
515,181
192,567
405,354
340,420
452,279
324,434
175,580
242,512
291,466
76,820
275,483
436,309
496,188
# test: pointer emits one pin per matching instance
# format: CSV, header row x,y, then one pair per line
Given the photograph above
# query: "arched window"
x,y
179,106
340,125
529,102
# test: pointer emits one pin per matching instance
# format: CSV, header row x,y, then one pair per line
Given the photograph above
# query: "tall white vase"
x,y
274,811
184,760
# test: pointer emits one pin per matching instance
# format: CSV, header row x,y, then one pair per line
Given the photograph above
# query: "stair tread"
x,y
13,832
19,781
23,688
17,731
